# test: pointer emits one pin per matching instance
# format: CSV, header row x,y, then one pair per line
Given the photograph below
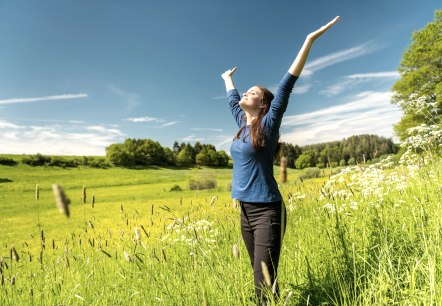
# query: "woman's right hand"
x,y
228,74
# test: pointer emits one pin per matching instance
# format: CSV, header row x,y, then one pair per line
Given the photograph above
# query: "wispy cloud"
x,y
226,140
339,56
102,129
301,89
56,139
8,125
144,119
207,129
192,137
350,81
148,119
45,98
132,100
375,75
367,113
170,123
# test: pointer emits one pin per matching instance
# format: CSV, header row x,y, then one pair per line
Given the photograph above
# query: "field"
x,y
370,235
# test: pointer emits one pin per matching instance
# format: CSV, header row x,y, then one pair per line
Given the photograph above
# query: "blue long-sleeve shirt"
x,y
253,179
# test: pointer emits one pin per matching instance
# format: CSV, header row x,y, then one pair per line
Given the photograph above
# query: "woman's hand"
x,y
314,35
228,74
299,62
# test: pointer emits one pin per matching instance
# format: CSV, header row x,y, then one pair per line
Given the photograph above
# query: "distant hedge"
x,y
7,161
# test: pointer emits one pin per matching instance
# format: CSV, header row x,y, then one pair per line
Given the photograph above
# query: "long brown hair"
x,y
256,133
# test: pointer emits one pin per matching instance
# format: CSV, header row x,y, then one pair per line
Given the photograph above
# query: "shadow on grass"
x,y
5,180
322,291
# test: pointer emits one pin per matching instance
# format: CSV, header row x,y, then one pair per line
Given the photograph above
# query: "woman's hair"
x,y
256,133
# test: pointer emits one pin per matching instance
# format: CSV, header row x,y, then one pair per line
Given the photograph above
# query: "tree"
x,y
148,152
169,156
421,74
223,158
117,155
304,161
197,147
176,147
190,151
213,158
202,158
184,158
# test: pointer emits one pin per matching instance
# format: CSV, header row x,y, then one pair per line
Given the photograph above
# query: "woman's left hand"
x,y
314,35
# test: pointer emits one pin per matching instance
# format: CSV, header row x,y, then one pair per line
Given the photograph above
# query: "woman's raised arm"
x,y
227,77
299,62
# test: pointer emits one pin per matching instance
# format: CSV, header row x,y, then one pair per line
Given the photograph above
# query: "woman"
x,y
258,115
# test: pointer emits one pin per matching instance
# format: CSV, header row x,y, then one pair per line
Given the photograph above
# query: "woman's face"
x,y
252,99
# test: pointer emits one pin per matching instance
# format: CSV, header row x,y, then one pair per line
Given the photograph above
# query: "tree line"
x,y
349,151
145,152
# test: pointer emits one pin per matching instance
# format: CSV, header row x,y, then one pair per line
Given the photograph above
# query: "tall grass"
x,y
367,236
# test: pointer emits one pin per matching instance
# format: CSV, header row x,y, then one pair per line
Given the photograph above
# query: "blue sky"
x,y
76,76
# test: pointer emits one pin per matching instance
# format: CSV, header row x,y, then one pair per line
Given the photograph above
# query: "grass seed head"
x,y
212,201
84,194
137,234
127,257
14,254
61,199
37,193
163,252
235,250
266,274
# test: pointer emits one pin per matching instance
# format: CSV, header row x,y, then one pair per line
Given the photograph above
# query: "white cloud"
x,y
226,140
152,120
368,113
339,56
375,75
8,125
102,129
170,123
192,137
45,98
350,81
301,89
145,119
56,139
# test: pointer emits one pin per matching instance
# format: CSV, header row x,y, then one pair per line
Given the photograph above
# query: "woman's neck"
x,y
250,117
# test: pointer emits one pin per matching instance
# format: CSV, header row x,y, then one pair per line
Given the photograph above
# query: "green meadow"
x,y
367,236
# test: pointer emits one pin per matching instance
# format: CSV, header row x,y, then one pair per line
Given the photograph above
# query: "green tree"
x,y
304,160
176,147
223,158
169,156
202,158
119,156
421,73
213,158
197,147
184,158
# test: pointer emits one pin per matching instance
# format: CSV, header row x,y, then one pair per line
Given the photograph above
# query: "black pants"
x,y
262,228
